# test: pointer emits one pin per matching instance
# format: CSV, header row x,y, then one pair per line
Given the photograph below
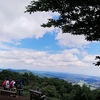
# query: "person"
x,y
19,88
7,85
19,84
12,85
37,89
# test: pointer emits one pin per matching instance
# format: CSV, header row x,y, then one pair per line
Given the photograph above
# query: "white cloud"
x,y
74,51
68,40
89,58
66,61
17,25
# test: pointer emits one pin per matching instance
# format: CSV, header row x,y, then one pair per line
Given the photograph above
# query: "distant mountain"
x,y
92,81
18,70
1,69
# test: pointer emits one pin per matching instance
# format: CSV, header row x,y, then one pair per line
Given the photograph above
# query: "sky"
x,y
24,44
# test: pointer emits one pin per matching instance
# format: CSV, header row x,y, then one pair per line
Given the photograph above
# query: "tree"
x,y
77,17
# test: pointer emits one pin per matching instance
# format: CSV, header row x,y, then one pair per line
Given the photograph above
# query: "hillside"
x,y
91,81
54,87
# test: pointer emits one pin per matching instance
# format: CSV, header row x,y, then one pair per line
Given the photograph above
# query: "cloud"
x,y
89,58
41,60
68,40
17,25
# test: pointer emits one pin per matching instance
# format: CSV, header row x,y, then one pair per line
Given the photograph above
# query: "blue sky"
x,y
24,44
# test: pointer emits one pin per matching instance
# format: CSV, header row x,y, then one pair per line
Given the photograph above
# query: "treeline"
x,y
53,88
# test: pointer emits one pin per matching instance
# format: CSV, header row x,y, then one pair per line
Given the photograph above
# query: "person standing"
x,y
7,85
12,85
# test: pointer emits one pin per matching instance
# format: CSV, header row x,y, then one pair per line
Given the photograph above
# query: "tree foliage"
x,y
54,89
77,17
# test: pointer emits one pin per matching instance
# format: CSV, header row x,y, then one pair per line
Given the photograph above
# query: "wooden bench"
x,y
7,92
35,95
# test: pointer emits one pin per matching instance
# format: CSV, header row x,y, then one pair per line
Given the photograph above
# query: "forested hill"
x,y
91,81
53,88
17,70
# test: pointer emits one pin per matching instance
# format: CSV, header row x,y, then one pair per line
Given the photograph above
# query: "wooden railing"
x,y
36,95
9,92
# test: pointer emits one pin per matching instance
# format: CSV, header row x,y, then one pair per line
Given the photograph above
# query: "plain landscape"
x,y
92,81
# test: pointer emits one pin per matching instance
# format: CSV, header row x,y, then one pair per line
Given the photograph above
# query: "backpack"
x,y
11,83
3,83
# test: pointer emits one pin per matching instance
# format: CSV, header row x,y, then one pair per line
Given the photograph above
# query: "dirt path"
x,y
5,97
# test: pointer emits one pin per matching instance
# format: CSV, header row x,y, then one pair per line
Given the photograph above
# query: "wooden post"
x,y
19,91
